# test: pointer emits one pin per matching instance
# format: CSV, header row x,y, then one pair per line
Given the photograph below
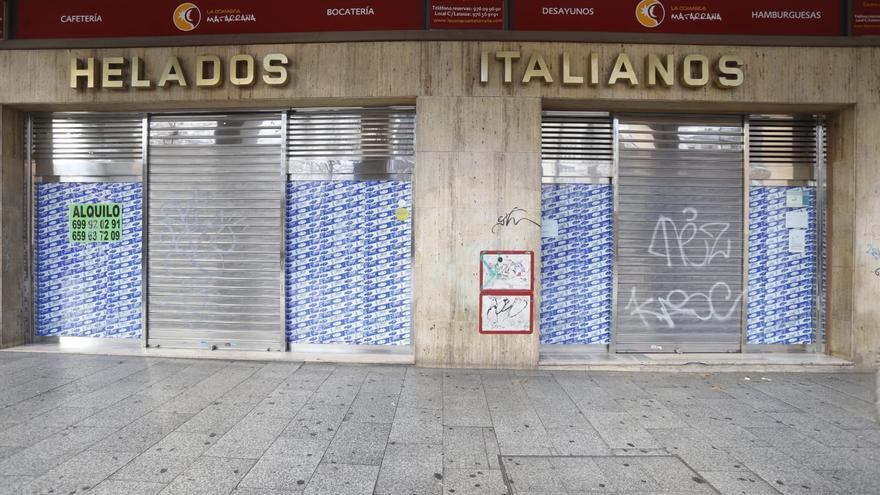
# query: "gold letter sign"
x,y
690,70
206,70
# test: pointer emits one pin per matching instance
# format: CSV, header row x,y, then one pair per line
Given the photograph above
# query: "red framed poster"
x,y
506,313
466,14
507,271
865,17
46,19
507,285
744,17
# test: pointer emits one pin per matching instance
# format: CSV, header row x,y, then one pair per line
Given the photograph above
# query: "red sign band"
x,y
44,19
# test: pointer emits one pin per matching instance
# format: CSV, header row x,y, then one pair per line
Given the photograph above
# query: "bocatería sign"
x,y
204,71
689,70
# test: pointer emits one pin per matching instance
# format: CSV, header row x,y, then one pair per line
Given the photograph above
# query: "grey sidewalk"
x,y
111,425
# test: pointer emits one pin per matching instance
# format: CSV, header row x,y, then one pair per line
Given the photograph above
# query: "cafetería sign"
x,y
691,70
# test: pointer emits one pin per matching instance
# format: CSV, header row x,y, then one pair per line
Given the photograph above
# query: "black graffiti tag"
x,y
514,216
506,305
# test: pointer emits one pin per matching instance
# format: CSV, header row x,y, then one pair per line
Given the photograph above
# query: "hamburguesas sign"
x,y
691,70
205,71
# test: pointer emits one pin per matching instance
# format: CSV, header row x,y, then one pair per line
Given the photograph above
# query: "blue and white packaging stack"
x,y
782,284
576,263
87,289
348,267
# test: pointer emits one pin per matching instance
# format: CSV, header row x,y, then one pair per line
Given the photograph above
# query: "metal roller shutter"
x,y
679,233
576,145
215,231
351,143
783,148
78,147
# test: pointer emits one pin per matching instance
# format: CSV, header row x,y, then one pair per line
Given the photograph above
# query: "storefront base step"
x,y
589,360
365,354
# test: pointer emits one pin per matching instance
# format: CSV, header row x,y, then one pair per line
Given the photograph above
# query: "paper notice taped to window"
x,y
794,198
797,241
796,219
549,228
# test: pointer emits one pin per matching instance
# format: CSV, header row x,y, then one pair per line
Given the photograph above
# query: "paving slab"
x,y
417,425
738,483
209,475
464,448
250,438
343,479
411,468
474,481
358,443
288,474
147,425
116,487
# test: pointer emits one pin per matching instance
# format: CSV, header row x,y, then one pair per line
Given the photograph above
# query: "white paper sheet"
x,y
797,241
796,219
549,228
794,198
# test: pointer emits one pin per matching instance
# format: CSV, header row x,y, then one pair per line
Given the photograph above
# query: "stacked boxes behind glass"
x,y
576,264
348,262
87,289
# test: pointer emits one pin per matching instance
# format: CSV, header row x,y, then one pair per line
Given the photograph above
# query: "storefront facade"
x,y
275,197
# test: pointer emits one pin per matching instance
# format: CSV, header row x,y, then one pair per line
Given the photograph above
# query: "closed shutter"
x,y
351,143
576,145
783,148
349,227
679,233
74,147
215,231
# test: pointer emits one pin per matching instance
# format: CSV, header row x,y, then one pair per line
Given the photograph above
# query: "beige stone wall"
x,y
477,158
478,151
865,331
841,218
14,326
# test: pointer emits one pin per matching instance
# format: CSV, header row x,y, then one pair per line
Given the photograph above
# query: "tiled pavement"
x,y
110,425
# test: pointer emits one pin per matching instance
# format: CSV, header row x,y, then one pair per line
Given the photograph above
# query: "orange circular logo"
x,y
187,16
650,13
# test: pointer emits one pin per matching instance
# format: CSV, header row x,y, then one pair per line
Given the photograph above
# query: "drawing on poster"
x,y
506,271
506,313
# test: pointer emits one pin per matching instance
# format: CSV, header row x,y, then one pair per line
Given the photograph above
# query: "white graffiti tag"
x,y
699,305
677,244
